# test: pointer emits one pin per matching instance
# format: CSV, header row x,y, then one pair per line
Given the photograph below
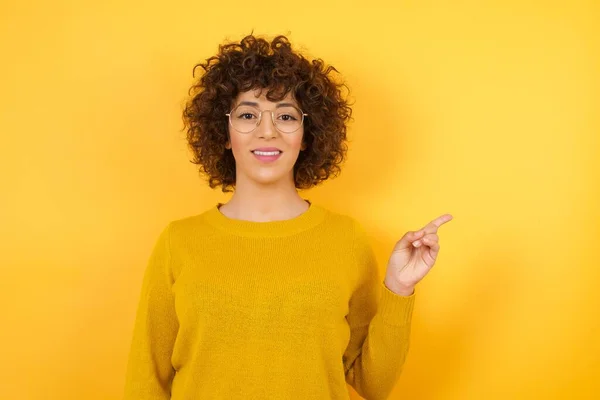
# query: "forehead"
x,y
259,96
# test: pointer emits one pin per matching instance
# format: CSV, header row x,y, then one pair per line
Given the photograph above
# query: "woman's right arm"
x,y
149,370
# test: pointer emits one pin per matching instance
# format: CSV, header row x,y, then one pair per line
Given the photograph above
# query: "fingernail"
x,y
417,243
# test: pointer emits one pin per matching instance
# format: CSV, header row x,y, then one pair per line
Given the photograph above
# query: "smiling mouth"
x,y
267,156
267,153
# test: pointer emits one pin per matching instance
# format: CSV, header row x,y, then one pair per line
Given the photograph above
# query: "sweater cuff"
x,y
394,308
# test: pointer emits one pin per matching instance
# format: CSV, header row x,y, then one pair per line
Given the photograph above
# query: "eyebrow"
x,y
254,104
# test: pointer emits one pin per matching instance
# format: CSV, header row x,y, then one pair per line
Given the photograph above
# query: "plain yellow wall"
x,y
485,110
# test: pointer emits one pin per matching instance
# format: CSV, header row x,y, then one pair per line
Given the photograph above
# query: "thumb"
x,y
408,238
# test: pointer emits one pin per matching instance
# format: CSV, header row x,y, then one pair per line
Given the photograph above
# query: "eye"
x,y
287,117
246,116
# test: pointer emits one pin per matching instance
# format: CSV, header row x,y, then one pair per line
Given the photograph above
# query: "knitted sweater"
x,y
292,309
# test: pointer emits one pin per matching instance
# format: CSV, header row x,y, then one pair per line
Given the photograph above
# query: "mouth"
x,y
267,155
267,152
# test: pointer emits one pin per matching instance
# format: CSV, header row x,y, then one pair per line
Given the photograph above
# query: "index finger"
x,y
436,223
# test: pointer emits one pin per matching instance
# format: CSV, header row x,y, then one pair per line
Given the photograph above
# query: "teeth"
x,y
266,153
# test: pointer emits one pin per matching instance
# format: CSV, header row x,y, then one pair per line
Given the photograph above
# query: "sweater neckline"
x,y
308,219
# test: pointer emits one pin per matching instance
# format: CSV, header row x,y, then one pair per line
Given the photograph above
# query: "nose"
x,y
265,127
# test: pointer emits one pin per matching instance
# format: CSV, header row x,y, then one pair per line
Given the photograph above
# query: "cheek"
x,y
295,142
237,145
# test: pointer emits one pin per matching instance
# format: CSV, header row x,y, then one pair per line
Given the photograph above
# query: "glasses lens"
x,y
287,119
244,118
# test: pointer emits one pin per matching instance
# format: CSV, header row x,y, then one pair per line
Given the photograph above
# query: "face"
x,y
265,156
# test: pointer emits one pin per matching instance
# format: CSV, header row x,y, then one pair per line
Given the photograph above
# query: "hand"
x,y
413,256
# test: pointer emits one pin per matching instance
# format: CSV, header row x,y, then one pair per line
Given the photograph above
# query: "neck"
x,y
264,203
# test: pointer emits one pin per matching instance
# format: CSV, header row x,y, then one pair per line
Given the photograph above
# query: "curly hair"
x,y
254,63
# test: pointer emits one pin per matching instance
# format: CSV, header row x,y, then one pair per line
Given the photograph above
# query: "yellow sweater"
x,y
293,309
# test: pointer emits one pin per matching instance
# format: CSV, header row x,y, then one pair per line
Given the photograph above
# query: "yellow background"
x,y
485,110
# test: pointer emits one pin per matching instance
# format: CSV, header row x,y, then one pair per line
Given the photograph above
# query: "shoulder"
x,y
356,243
188,226
353,228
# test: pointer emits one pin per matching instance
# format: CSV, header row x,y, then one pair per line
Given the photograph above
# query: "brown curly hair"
x,y
255,63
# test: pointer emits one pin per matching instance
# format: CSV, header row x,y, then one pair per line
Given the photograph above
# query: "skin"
x,y
266,192
413,257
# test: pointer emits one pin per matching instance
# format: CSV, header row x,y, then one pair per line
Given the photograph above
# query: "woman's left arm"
x,y
380,330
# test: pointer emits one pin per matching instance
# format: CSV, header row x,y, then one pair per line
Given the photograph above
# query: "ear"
x,y
228,145
303,146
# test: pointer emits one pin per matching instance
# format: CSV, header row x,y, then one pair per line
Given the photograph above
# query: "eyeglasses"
x,y
286,119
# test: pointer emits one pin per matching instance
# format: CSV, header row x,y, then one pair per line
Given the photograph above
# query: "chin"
x,y
268,178
266,181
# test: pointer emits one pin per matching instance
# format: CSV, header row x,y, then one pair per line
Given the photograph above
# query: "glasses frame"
x,y
260,113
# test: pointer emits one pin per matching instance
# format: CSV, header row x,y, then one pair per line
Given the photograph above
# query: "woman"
x,y
270,296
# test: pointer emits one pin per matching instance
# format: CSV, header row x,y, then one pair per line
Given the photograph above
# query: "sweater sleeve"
x,y
379,331
149,370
